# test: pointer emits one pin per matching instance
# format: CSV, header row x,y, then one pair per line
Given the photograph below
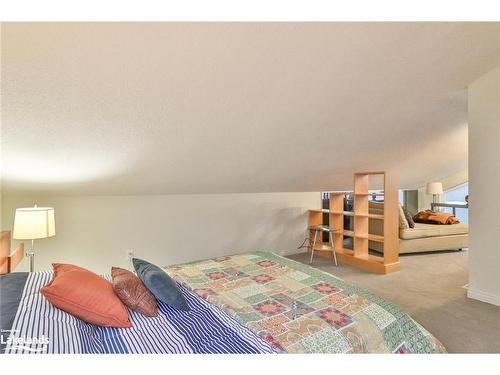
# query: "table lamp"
x,y
33,223
436,189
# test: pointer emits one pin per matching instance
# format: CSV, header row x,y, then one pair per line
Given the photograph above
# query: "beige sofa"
x,y
422,238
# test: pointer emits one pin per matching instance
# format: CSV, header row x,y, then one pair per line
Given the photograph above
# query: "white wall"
x,y
96,231
484,188
1,134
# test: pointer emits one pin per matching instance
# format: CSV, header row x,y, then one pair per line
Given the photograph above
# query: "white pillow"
x,y
403,223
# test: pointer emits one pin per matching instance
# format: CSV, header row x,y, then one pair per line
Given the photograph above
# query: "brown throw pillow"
x,y
132,292
409,218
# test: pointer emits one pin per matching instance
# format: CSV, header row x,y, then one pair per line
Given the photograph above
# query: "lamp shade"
x,y
32,223
434,188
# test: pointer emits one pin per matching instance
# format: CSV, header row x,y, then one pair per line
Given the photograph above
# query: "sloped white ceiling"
x,y
159,108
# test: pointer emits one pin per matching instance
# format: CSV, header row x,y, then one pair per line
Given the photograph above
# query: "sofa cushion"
x,y
432,230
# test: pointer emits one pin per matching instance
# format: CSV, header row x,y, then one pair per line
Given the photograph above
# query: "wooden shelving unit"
x,y
359,256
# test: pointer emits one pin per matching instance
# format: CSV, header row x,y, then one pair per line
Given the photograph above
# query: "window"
x,y
457,194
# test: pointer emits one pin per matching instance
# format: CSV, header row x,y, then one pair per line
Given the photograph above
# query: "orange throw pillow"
x,y
85,295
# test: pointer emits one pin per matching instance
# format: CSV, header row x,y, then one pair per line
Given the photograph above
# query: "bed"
x,y
255,302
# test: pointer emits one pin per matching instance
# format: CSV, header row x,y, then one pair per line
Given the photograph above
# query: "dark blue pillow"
x,y
160,284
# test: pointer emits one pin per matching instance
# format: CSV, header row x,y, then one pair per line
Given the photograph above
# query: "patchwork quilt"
x,y
299,309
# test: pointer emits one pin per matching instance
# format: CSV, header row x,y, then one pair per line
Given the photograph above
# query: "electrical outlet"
x,y
129,255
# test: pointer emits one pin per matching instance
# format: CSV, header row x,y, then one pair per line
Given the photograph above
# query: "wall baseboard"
x,y
483,296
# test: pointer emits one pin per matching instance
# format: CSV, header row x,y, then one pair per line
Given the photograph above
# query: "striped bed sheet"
x,y
39,327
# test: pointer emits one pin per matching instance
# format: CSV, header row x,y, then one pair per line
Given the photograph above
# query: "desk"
x,y
453,205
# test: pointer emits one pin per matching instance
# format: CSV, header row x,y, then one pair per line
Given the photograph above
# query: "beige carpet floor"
x,y
429,288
